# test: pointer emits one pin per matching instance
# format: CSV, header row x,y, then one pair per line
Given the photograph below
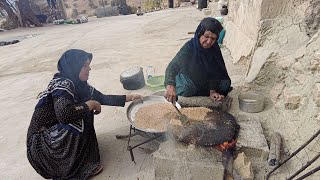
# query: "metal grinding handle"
x,y
177,109
183,118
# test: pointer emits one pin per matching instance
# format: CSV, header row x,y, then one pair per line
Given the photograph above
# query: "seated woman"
x,y
61,139
139,11
198,69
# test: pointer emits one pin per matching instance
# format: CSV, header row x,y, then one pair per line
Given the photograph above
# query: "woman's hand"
x,y
216,96
170,93
133,97
94,105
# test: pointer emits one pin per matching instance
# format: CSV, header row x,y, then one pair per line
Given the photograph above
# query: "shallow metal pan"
x,y
136,105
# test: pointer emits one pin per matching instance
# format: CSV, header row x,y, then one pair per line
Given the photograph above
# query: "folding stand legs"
x,y
131,134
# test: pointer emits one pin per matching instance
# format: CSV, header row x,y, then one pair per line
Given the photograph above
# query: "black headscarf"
x,y
211,58
69,66
210,24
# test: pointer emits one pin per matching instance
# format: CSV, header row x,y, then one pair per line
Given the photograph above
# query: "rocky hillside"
x,y
85,6
88,6
280,47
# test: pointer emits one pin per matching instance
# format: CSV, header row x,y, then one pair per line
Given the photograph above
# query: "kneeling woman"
x,y
61,140
198,69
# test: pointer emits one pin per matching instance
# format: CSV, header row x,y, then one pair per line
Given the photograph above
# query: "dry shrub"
x,y
75,13
123,7
8,25
107,11
83,11
151,5
93,5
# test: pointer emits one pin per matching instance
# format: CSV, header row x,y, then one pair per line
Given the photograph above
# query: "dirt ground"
x,y
117,43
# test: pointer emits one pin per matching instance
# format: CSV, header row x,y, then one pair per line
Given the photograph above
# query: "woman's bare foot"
x,y
98,170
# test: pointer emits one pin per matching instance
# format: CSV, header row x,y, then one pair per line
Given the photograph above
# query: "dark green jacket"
x,y
205,76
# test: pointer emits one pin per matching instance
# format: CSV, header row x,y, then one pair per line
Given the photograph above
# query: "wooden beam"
x,y
275,149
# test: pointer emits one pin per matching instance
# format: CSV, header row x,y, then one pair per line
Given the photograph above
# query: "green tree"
x,y
151,4
124,9
103,3
75,13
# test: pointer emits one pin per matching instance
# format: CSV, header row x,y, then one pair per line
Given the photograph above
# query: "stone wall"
x,y
242,27
279,41
312,17
248,21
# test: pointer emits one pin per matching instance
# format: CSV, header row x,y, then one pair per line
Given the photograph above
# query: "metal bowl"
x,y
137,104
159,92
251,102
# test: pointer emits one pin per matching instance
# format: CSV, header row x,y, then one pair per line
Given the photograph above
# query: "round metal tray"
x,y
136,105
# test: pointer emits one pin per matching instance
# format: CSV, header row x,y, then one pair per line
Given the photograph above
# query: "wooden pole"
x,y
275,149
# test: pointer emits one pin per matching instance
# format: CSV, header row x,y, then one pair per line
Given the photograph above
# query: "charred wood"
x,y
275,149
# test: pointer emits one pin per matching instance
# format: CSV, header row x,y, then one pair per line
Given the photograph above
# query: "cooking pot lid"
x,y
130,72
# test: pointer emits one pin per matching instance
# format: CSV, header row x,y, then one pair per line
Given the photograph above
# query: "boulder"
x,y
292,101
243,167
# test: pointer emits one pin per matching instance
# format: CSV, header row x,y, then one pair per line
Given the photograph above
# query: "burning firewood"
x,y
218,129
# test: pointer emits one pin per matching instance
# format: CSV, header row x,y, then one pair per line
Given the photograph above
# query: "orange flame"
x,y
226,145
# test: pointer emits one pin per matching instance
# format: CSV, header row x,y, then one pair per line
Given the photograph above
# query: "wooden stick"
x,y
227,160
275,147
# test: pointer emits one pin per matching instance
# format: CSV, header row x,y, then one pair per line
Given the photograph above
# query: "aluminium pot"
x,y
251,102
133,78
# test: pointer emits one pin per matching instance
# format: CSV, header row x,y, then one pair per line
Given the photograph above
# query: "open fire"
x,y
226,145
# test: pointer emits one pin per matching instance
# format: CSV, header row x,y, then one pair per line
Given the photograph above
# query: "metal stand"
x,y
303,167
133,131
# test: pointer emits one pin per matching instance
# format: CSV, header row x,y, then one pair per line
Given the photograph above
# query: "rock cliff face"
x,y
279,41
312,17
86,7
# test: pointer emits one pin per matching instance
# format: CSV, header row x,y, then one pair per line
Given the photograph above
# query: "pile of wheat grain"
x,y
155,116
158,116
195,113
